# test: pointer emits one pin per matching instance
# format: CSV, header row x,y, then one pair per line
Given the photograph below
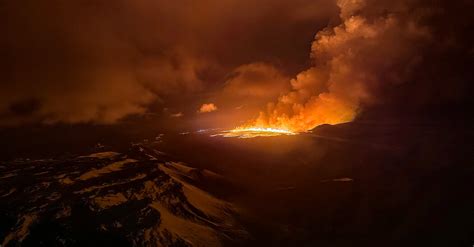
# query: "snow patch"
x,y
116,166
102,155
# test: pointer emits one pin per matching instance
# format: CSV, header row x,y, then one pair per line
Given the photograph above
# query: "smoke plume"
x,y
100,61
206,108
370,50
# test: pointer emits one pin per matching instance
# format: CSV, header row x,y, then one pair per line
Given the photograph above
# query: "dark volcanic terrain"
x,y
357,184
110,198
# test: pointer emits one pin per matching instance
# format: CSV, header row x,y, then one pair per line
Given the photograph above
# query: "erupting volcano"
x,y
236,123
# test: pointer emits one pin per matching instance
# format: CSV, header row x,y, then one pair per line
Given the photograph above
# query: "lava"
x,y
252,132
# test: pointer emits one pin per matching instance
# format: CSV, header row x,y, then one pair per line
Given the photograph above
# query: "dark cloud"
x,y
100,61
380,53
258,80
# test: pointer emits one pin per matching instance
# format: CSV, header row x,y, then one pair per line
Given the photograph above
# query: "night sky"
x,y
221,63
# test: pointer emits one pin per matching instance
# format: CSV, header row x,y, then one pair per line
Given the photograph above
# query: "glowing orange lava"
x,y
252,132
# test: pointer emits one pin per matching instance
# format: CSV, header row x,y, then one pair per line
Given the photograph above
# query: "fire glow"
x,y
252,132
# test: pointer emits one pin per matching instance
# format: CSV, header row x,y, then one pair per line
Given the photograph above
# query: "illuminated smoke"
x,y
101,61
352,61
206,108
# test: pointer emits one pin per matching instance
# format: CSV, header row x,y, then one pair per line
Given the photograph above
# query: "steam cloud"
x,y
101,61
206,108
371,50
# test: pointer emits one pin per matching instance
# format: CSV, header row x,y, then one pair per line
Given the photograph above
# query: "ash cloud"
x,y
99,61
380,53
207,108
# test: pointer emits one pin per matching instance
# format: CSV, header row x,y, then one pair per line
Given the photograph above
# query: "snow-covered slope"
x,y
132,199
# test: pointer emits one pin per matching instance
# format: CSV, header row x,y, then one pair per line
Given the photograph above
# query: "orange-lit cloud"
x,y
206,108
351,61
101,61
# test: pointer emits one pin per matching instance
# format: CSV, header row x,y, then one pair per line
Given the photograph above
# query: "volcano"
x,y
248,123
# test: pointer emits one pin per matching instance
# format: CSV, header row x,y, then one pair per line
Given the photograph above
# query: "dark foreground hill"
x,y
366,183
123,199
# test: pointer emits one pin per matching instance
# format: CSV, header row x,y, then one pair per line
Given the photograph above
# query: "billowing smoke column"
x,y
370,51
